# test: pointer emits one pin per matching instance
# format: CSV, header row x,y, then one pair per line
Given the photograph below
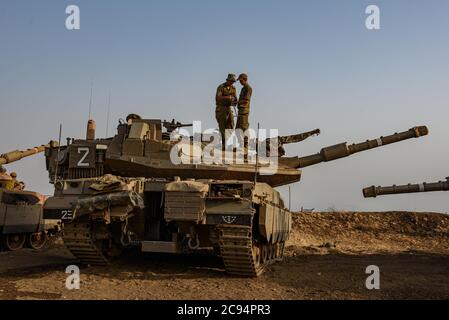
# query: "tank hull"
x,y
243,222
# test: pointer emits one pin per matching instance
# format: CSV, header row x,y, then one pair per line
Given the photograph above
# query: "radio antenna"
x,y
90,101
107,117
59,150
257,155
289,199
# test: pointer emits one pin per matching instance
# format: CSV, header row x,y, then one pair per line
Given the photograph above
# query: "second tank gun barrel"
x,y
373,191
343,149
16,155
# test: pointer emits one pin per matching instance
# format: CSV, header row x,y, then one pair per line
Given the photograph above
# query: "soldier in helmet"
x,y
243,107
225,98
4,177
132,116
14,184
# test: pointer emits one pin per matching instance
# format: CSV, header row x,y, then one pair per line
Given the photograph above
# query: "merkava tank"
x,y
21,212
126,191
373,191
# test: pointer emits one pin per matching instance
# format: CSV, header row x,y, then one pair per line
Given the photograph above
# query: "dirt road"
x,y
326,258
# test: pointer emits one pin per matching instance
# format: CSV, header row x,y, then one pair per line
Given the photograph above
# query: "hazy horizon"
x,y
312,64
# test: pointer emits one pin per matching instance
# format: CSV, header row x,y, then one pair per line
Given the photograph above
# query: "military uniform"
x,y
243,107
224,98
13,184
4,177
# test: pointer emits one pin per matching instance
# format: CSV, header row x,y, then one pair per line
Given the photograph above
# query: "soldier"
x,y
4,177
243,107
225,98
14,184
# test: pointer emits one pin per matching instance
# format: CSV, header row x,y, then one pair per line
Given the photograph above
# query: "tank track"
x,y
236,248
242,255
77,237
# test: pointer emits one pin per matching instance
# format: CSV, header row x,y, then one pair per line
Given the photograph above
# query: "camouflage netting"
x,y
187,186
108,183
102,202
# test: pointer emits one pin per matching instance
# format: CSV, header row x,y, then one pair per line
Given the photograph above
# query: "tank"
x,y
373,191
125,191
21,212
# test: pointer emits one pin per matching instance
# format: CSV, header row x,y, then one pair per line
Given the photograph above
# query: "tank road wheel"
x,y
265,256
257,255
13,242
281,247
272,252
37,241
277,251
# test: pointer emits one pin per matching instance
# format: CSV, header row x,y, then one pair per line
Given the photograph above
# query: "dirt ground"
x,y
326,258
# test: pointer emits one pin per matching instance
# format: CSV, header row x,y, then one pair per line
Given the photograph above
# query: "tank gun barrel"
x,y
343,149
373,191
16,155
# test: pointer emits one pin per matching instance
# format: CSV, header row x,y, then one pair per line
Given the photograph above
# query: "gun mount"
x,y
373,191
173,125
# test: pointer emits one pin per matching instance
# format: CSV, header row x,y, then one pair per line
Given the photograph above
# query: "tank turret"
x,y
142,149
373,191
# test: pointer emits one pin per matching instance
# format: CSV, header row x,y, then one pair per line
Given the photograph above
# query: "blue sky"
x,y
312,64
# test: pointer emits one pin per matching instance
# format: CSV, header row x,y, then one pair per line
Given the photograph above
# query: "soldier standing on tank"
x,y
225,98
243,109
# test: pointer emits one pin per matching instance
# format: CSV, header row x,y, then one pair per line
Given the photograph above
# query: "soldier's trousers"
x,y
243,124
225,119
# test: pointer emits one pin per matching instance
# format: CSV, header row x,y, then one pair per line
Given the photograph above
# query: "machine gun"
x,y
373,191
173,125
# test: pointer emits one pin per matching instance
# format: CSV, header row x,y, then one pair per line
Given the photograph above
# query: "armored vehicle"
x,y
373,191
127,191
21,212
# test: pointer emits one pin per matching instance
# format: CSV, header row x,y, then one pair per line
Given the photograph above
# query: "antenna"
x,y
257,155
59,150
90,101
289,199
107,117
